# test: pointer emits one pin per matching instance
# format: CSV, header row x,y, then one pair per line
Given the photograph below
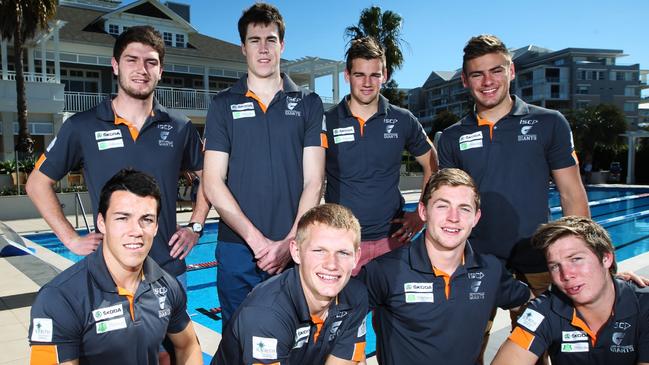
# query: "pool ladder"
x,y
79,205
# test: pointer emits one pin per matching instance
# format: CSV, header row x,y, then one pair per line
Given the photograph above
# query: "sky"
x,y
436,31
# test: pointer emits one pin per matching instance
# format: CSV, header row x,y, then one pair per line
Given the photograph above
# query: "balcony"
x,y
32,77
44,94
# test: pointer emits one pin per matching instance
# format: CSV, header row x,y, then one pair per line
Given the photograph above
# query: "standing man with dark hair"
x,y
264,161
589,317
433,298
116,305
367,136
312,313
511,149
131,130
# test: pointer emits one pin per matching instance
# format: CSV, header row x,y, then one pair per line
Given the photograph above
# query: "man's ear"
x,y
295,251
101,224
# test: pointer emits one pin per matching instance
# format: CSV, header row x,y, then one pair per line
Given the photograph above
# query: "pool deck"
x,y
22,277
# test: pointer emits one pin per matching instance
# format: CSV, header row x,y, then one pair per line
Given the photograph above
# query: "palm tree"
x,y
20,20
385,27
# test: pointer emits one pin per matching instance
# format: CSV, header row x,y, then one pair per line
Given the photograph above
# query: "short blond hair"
x,y
331,215
450,177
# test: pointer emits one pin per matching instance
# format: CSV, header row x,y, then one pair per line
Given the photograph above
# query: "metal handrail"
x,y
79,204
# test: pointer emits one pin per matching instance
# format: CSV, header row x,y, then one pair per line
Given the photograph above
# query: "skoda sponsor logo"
x,y
108,312
301,337
244,106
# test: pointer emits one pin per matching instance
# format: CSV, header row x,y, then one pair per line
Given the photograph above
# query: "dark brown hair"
x,y
366,48
481,45
261,13
144,34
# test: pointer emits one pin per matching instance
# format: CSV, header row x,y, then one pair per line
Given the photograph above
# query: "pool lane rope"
x,y
202,265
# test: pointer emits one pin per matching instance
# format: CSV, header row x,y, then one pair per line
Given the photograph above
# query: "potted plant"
x,y
5,174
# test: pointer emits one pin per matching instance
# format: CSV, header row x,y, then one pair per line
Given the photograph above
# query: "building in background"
x,y
571,78
68,67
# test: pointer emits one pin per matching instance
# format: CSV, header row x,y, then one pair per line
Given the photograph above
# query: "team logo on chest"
x,y
527,126
161,293
291,103
389,127
476,281
163,142
618,339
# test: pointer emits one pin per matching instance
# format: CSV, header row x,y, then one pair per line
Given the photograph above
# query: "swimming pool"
x,y
624,212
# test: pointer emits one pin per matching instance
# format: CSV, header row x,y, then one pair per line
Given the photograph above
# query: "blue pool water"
x,y
623,212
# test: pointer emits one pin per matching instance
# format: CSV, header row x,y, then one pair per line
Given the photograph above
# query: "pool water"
x,y
623,212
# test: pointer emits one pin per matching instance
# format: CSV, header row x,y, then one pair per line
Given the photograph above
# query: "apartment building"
x,y
68,66
572,78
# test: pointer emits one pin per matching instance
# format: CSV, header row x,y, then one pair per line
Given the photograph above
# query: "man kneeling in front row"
x,y
312,313
588,317
116,305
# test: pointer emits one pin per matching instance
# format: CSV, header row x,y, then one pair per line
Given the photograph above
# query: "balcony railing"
x,y
184,98
78,102
169,97
33,77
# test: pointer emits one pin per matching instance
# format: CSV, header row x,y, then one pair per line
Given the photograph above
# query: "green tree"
x,y
20,20
385,27
442,120
598,128
397,97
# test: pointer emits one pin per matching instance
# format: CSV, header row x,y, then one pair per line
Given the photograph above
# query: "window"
x,y
582,89
113,28
180,40
582,104
168,39
629,91
630,107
